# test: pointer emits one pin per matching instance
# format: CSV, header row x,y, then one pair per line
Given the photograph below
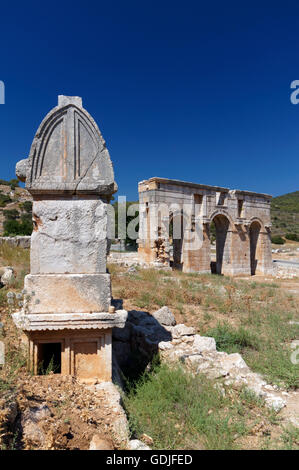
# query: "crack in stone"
x,y
54,238
88,168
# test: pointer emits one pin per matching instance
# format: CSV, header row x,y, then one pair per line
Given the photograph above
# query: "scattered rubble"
x,y
285,272
124,259
135,444
20,241
146,334
53,412
119,426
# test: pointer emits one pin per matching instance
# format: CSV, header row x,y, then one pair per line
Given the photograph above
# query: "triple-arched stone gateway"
x,y
179,221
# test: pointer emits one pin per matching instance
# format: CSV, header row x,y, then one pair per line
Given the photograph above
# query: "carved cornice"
x,y
70,321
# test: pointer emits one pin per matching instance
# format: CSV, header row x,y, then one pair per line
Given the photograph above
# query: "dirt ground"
x,y
74,414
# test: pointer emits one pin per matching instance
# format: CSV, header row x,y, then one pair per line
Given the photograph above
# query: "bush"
x,y
12,214
4,199
26,206
14,227
278,240
292,236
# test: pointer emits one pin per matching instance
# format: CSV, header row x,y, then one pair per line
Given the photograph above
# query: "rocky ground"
x,y
53,412
181,343
159,332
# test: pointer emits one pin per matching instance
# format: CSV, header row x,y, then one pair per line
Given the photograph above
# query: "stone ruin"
x,y
175,219
67,313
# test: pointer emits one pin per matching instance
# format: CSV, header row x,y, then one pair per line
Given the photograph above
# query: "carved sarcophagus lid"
x,y
68,154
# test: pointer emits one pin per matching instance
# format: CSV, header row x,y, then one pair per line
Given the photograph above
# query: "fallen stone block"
x,y
180,330
165,316
204,343
165,345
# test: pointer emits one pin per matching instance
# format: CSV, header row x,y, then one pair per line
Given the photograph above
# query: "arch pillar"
x,y
262,253
266,248
240,250
197,259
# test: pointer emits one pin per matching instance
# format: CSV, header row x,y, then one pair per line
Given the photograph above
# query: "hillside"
x,y
285,214
15,209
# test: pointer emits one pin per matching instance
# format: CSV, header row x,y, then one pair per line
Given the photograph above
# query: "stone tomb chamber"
x,y
67,313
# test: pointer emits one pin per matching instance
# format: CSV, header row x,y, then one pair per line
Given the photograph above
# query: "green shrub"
x,y
4,199
26,206
14,227
11,214
278,240
292,236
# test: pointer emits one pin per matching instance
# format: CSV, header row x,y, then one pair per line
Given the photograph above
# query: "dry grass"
x,y
247,316
19,259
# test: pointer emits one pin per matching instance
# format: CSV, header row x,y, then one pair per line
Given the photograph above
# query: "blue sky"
x,y
198,91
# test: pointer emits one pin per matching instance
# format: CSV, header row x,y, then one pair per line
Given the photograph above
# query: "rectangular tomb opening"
x,y
49,358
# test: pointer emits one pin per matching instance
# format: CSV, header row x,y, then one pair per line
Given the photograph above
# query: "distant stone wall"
x,y
21,241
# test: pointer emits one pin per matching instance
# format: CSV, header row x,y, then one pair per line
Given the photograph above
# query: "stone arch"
x,y
221,212
260,221
256,248
223,243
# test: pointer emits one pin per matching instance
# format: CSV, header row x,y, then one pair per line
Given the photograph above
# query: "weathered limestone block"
x,y
120,425
180,330
68,293
164,316
70,236
70,321
203,343
68,154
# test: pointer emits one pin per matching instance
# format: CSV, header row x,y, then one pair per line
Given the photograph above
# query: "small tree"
x,y
292,236
26,206
11,214
277,240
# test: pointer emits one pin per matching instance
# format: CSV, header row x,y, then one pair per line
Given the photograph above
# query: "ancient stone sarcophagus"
x,y
67,312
